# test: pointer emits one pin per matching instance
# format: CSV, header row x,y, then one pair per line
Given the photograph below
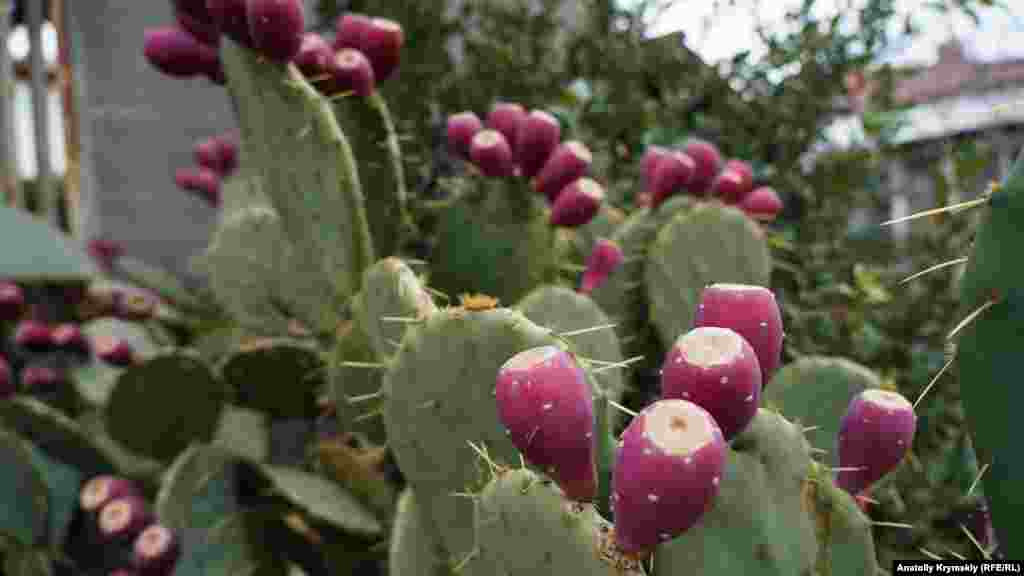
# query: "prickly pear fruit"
x,y
124,517
461,128
113,351
729,186
8,387
577,203
709,163
12,301
745,170
194,8
100,490
314,56
202,181
490,152
175,52
33,335
351,70
227,149
762,203
603,260
875,434
349,30
276,27
545,403
156,550
232,19
649,163
672,173
69,338
716,369
537,139
207,155
382,43
667,472
750,311
569,162
40,379
103,251
506,117
203,30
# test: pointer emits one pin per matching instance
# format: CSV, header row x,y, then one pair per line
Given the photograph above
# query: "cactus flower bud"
x,y
671,175
729,186
382,43
752,312
349,30
652,156
315,55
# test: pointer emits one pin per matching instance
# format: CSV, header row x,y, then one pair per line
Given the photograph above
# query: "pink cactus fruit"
x,y
8,387
349,30
201,181
671,175
874,435
113,351
569,162
577,203
124,517
206,155
762,203
460,130
729,186
716,369
12,301
743,168
667,473
41,379
382,43
156,550
100,490
351,70
750,311
490,152
314,57
227,150
175,52
604,259
652,156
546,405
709,163
231,16
507,117
203,29
33,335
70,338
104,252
276,27
537,139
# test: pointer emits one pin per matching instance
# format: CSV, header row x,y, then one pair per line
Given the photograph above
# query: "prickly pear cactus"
x,y
415,549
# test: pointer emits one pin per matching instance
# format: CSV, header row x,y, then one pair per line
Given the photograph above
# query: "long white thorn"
x,y
935,268
942,210
970,318
934,380
977,479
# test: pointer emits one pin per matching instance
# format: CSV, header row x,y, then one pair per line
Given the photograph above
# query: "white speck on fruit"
x,y
686,394
899,442
687,460
764,324
749,398
652,497
588,435
547,406
724,380
715,480
648,451
664,536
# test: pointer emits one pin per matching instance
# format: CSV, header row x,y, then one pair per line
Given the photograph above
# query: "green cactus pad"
x,y
763,521
23,515
355,372
390,289
244,432
415,549
711,244
368,124
125,462
323,500
164,404
199,488
439,393
307,170
278,377
528,528
562,310
241,190
846,546
55,434
164,284
816,391
42,253
493,239
253,270
21,560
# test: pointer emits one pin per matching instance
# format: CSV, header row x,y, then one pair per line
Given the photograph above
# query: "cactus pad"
x,y
24,513
164,404
278,377
816,391
323,500
390,289
711,244
198,489
55,434
415,549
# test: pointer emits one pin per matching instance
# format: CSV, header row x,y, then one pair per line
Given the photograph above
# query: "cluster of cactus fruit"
x,y
506,421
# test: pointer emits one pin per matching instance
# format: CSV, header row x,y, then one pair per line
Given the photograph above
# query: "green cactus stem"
x,y
307,171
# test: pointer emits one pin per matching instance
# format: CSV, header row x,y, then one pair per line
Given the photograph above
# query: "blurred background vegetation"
x,y
591,63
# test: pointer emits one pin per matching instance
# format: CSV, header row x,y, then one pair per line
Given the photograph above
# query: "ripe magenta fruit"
x,y
69,338
204,30
716,369
382,43
652,156
537,139
709,163
314,56
569,162
207,156
100,490
762,203
461,128
351,70
507,117
750,311
276,27
124,517
12,301
546,404
671,174
729,186
874,435
113,351
232,19
667,471
227,149
577,203
202,181
745,170
156,550
40,379
8,387
490,152
349,30
603,260
33,335
175,52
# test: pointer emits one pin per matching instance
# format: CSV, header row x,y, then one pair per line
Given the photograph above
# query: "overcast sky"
x,y
1001,34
